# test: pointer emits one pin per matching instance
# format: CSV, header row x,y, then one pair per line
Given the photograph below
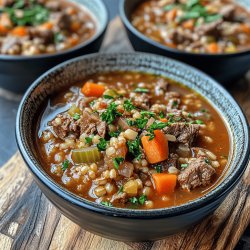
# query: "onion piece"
x,y
171,138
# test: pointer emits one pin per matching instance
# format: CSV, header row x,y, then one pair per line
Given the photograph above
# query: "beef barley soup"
x,y
132,140
33,27
199,26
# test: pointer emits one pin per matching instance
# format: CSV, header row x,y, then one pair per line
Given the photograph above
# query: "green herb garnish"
x,y
133,200
110,113
76,116
147,113
65,164
88,140
199,122
117,161
114,133
58,37
158,168
207,161
141,90
185,165
108,97
142,199
102,145
107,203
128,106
154,126
120,190
134,148
161,115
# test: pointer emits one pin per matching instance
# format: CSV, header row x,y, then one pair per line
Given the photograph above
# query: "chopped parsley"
x,y
102,145
134,148
117,161
140,122
142,199
199,122
76,116
65,164
128,106
58,37
32,15
141,90
158,168
161,115
114,133
107,203
207,161
147,113
88,140
108,97
110,113
184,165
133,200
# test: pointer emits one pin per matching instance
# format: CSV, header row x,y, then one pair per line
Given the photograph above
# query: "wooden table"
x,y
29,221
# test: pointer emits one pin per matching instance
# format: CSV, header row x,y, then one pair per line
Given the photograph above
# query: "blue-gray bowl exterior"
x,y
18,72
225,68
128,224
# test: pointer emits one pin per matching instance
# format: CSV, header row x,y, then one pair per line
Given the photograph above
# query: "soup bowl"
x,y
131,224
18,72
225,68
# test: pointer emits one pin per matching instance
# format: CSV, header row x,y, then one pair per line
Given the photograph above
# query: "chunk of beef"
x,y
126,169
62,21
173,99
170,162
141,100
85,101
45,35
161,86
228,12
11,45
184,133
53,5
5,20
198,173
172,95
63,128
119,198
181,36
90,123
212,28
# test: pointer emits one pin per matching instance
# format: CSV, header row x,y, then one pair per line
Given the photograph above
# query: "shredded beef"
x,y
228,12
84,102
180,36
88,123
209,28
198,173
63,21
46,36
9,43
184,133
170,162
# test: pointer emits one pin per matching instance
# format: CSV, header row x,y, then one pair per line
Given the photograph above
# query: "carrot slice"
x,y
245,28
93,89
189,24
3,30
156,149
19,31
164,120
74,41
75,26
47,26
171,15
164,183
213,48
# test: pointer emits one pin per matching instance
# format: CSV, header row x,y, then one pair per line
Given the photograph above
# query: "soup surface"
x,y
34,27
201,26
132,140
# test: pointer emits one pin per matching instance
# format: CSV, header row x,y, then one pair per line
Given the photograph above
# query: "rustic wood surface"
x,y
29,221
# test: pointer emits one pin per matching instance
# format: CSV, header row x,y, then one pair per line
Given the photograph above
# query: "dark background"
x,y
8,108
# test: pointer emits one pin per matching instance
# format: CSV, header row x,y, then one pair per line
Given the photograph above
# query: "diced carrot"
x,y
189,24
156,149
93,89
213,48
245,28
75,26
164,183
171,45
19,31
47,25
171,14
3,30
74,41
164,120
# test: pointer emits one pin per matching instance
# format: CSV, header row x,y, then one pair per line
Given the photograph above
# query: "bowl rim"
x,y
96,36
73,199
131,28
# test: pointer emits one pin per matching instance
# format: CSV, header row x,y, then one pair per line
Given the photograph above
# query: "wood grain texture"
x,y
29,221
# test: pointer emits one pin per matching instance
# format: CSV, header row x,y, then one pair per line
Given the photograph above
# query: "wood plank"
x,y
29,221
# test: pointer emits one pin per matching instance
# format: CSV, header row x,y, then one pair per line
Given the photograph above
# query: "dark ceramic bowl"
x,y
18,72
128,224
226,68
